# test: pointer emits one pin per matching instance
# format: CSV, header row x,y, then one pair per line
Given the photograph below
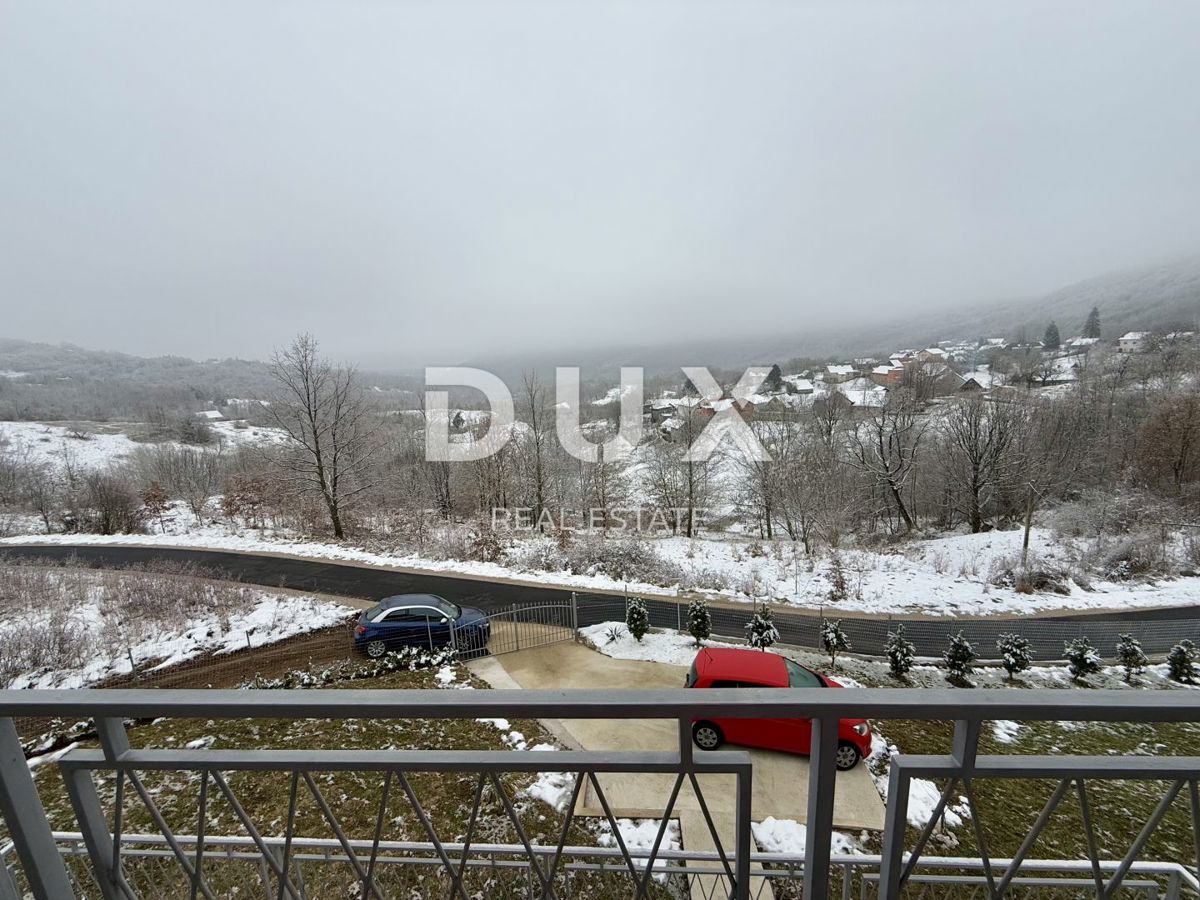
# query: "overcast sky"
x,y
425,182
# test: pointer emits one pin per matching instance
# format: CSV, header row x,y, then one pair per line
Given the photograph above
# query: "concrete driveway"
x,y
780,779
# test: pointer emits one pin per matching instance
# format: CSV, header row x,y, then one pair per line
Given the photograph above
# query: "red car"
x,y
730,668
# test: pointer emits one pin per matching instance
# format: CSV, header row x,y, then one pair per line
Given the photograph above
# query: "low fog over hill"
x,y
1164,296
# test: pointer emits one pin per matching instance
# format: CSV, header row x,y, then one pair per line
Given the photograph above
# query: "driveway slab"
x,y
780,780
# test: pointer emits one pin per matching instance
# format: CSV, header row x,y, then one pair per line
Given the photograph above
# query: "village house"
x,y
836,374
1132,341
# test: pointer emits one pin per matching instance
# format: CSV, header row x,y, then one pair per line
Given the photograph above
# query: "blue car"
x,y
420,620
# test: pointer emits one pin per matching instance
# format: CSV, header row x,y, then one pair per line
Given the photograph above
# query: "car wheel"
x,y
376,649
707,736
847,756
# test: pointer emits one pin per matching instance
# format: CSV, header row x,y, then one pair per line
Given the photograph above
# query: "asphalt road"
x,y
332,577
1158,629
327,577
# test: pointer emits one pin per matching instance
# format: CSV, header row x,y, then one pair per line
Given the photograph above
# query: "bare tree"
x,y
885,446
976,438
1049,442
539,416
325,414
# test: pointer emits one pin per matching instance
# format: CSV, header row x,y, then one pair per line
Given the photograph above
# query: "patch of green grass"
x,y
354,797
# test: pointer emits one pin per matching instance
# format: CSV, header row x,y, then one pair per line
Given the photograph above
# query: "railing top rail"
x,y
922,704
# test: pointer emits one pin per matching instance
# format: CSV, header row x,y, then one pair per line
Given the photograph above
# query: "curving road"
x,y
1158,628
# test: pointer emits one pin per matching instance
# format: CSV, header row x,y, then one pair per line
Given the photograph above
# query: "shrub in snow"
x,y
628,558
485,546
900,653
838,588
1082,658
1130,656
637,619
1133,556
1036,576
960,658
699,620
614,634
833,640
760,630
1015,653
1181,662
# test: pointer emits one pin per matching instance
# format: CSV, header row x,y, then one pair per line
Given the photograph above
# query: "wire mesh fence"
x,y
868,635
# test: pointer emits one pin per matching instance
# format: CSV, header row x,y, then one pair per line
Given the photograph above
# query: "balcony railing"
x,y
732,869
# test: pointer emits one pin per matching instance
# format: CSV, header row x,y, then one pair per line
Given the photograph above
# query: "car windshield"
x,y
447,608
374,611
798,676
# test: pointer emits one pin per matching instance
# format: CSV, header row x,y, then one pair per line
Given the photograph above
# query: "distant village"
x,y
993,367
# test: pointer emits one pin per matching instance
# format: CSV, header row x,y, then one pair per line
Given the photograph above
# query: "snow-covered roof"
x,y
209,414
799,382
862,392
1135,336
981,376
840,369
934,351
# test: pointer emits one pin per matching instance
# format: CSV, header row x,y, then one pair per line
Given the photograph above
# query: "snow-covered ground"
x,y
942,576
266,619
95,447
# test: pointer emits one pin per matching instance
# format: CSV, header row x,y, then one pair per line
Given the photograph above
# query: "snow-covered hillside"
x,y
96,447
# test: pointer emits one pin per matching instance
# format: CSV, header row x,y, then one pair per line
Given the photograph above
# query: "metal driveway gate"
x,y
523,626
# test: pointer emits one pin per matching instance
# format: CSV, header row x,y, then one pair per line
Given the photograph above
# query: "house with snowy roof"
x,y
1133,341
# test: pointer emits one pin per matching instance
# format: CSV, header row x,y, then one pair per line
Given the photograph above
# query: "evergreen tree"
x,y
960,658
1181,663
839,589
773,383
1082,658
699,620
833,640
1091,328
760,630
900,653
1051,340
1015,653
637,619
1131,657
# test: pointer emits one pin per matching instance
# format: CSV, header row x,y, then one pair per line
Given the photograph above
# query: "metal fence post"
x,y
743,836
103,855
822,775
27,823
516,627
895,820
575,615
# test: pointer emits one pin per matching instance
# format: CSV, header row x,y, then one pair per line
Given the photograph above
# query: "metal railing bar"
x,y
476,805
663,823
247,823
1093,768
722,762
534,864
336,828
383,801
1031,838
161,824
69,842
417,808
1144,835
712,828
